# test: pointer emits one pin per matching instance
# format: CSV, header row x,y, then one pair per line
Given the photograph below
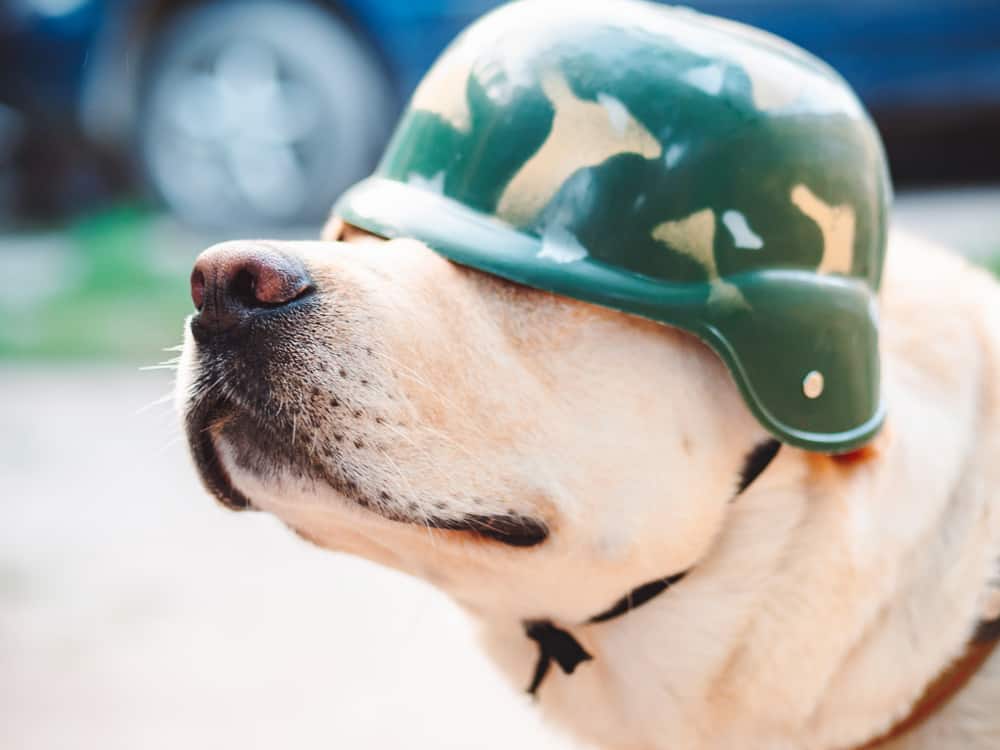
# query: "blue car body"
x,y
896,53
927,69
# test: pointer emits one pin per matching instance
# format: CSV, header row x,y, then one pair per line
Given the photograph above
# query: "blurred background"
x,y
133,133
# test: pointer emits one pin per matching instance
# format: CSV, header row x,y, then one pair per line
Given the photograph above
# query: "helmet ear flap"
x,y
804,350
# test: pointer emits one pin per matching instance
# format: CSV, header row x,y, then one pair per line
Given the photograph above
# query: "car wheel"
x,y
258,114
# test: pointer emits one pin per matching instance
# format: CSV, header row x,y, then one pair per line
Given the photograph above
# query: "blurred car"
x,y
237,113
257,113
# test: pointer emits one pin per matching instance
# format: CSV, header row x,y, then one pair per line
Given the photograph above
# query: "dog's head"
x,y
531,454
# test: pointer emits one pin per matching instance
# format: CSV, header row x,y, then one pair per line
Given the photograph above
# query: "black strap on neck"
x,y
637,597
988,631
559,646
756,461
554,645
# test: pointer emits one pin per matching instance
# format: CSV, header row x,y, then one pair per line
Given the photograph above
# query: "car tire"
x,y
258,114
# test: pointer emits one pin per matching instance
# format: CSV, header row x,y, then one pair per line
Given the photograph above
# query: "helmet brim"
x,y
744,318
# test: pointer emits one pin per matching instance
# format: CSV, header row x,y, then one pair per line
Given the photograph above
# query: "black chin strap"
x,y
559,646
554,645
988,631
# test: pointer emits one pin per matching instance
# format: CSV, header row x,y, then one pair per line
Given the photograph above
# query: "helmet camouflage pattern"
x,y
667,164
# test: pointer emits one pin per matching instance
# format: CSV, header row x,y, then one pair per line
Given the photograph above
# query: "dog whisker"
x,y
168,364
167,398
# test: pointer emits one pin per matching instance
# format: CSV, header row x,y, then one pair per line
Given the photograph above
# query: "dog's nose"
x,y
231,283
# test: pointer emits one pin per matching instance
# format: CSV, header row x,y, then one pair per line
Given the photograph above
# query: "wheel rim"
x,y
236,131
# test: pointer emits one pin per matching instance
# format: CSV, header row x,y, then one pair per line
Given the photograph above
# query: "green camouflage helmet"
x,y
667,164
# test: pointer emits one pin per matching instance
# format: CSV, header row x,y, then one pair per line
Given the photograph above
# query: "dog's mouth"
x,y
205,420
200,423
514,531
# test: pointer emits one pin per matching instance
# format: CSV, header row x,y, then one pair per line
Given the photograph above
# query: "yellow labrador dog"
x,y
538,458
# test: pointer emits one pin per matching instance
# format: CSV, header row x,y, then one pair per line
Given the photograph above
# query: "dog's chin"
x,y
205,425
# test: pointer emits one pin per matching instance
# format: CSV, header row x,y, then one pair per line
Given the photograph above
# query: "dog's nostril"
x,y
243,289
265,282
198,288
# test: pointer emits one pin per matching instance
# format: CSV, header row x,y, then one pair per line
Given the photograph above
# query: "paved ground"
x,y
134,613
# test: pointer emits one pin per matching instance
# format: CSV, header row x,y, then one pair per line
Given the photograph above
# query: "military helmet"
x,y
668,164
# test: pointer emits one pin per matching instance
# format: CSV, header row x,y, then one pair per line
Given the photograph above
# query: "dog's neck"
x,y
818,620
557,645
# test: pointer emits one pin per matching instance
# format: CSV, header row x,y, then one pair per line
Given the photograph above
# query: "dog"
x,y
538,457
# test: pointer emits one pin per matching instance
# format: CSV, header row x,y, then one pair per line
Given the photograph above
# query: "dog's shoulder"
x,y
921,275
940,314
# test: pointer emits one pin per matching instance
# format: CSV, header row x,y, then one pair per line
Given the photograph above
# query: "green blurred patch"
x,y
992,262
122,292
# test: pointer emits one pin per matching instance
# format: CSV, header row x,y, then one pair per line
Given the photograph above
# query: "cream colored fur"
x,y
820,603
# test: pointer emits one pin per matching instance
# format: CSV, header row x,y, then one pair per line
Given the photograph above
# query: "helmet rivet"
x,y
812,385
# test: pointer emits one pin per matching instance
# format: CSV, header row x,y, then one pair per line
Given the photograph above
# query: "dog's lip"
x,y
514,531
214,476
